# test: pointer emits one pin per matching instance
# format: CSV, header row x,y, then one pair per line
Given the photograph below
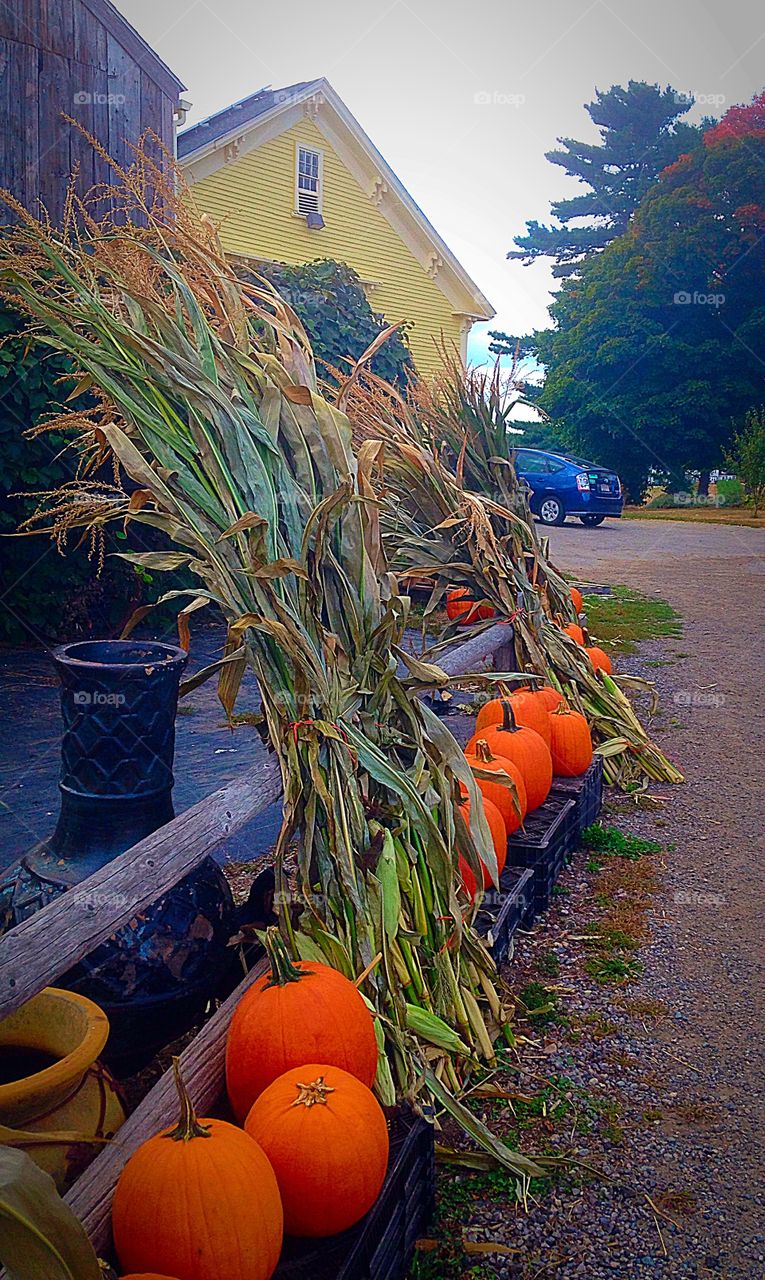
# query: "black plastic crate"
x,y
381,1246
503,911
587,791
548,837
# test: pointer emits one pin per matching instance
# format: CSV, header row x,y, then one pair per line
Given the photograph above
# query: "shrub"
x,y
747,457
329,299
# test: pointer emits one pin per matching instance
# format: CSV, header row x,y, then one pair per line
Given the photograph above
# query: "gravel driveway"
x,y
689,1077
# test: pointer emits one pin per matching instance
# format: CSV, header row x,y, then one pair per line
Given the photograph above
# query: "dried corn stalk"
x,y
207,403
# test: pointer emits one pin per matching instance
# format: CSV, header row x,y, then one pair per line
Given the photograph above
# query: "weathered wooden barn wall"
x,y
81,58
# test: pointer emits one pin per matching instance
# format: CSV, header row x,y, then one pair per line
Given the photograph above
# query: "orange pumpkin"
x,y
490,713
575,632
571,742
462,608
498,834
528,709
524,748
512,808
531,713
550,697
299,1010
576,597
327,1140
199,1201
467,879
599,659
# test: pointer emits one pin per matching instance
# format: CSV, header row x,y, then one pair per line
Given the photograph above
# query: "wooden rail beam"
x,y
50,942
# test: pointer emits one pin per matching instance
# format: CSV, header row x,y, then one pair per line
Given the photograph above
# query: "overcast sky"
x,y
463,99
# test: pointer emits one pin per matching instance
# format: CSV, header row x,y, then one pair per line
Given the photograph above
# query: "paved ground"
x,y
705,1141
208,753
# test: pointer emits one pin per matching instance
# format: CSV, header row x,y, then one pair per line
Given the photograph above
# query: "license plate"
x,y
604,488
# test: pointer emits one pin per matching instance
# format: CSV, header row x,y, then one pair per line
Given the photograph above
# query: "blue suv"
x,y
562,486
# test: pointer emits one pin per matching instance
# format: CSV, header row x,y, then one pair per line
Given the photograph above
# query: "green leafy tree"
x,y
661,339
747,457
641,133
330,300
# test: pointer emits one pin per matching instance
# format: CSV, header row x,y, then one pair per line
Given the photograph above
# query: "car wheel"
x,y
551,510
591,521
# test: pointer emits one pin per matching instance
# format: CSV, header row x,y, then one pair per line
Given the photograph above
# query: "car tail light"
x,y
583,482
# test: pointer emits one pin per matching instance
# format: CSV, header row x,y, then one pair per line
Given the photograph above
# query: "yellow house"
x,y
291,176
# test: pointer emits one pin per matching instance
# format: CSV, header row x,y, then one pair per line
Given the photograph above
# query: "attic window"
x,y
309,181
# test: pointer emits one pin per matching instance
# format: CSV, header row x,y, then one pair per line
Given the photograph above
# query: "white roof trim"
x,y
364,161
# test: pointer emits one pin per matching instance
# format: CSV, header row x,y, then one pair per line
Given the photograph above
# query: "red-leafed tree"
x,y
739,122
659,345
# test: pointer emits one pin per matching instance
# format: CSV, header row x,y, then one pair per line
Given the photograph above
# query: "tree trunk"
x,y
703,490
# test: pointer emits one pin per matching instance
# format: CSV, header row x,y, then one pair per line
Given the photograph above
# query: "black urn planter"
x,y
154,976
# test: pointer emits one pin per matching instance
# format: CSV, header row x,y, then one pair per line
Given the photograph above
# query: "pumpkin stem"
x,y
562,709
283,969
509,723
188,1126
483,751
311,1095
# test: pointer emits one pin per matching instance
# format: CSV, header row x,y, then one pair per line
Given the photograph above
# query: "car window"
x,y
554,466
530,462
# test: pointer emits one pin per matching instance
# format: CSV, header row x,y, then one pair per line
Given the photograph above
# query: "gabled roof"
x,y
240,113
142,53
203,144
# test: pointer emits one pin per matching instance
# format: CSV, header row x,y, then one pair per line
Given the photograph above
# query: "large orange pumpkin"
x,y
599,659
326,1137
550,697
462,608
524,748
513,808
199,1201
531,713
498,834
571,742
300,1010
576,597
575,632
490,713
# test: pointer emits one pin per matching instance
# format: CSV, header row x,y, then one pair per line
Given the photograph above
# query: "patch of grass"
x,y
607,938
538,1002
697,515
550,964
623,619
599,1026
442,1256
610,842
605,969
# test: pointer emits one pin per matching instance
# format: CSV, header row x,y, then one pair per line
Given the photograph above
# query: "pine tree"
x,y
641,134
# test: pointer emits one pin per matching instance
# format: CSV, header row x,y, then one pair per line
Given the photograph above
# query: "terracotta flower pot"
x,y
65,1093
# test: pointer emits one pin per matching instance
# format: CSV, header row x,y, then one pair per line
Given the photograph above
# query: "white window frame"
x,y
301,146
